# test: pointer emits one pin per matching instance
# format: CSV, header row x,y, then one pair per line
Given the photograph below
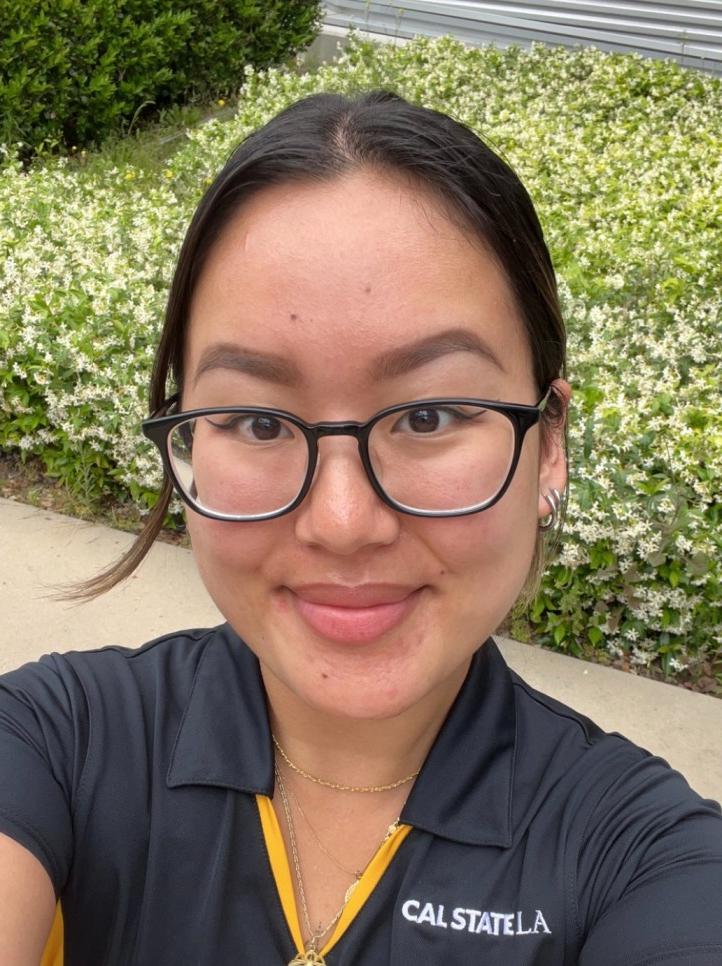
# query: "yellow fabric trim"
x,y
280,867
53,954
367,883
284,881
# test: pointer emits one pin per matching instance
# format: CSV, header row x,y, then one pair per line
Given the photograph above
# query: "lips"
x,y
358,614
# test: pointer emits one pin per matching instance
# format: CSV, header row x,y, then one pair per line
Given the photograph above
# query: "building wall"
x,y
690,31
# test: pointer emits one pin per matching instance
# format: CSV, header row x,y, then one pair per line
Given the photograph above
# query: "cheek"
x,y
492,541
229,555
486,556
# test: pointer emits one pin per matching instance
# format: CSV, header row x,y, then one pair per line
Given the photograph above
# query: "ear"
x,y
552,456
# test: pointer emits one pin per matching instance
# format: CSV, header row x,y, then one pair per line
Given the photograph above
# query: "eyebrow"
x,y
389,365
262,365
405,359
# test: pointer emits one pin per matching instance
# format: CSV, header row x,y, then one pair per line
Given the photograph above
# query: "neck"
x,y
356,751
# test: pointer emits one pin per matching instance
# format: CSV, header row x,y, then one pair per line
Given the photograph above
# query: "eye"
x,y
429,420
253,427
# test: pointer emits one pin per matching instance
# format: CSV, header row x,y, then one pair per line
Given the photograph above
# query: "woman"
x,y
359,395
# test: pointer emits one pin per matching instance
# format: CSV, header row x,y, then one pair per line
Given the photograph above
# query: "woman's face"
x,y
334,301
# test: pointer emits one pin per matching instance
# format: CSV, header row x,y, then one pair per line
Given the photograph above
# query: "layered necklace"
x,y
311,956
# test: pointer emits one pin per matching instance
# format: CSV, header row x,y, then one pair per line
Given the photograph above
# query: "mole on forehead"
x,y
280,370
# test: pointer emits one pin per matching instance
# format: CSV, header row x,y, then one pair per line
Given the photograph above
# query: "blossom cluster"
x,y
622,158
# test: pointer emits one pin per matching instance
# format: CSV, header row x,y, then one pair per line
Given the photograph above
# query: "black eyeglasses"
x,y
431,457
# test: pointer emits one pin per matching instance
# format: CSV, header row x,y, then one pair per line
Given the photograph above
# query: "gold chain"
x,y
357,875
311,954
340,788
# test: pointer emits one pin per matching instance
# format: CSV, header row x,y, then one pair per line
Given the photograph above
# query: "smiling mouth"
x,y
354,615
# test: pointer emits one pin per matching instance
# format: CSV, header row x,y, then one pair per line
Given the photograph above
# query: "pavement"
x,y
41,550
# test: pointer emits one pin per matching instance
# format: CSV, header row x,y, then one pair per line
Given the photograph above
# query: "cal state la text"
x,y
518,923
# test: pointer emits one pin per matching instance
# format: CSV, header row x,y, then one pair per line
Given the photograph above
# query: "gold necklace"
x,y
340,788
357,874
354,874
310,956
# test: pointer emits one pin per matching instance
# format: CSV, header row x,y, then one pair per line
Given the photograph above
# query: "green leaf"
x,y
595,636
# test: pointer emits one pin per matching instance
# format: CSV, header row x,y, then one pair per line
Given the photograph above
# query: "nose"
x,y
342,513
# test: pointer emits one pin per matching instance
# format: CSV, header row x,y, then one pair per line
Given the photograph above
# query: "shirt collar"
x,y
224,737
463,792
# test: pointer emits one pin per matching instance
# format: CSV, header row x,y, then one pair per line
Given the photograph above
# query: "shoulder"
x,y
598,779
56,675
561,738
635,837
70,701
555,742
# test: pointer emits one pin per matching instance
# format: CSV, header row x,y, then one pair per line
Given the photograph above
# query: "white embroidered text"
x,y
477,921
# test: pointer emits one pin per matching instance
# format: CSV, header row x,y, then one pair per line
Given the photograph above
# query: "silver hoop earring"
x,y
554,499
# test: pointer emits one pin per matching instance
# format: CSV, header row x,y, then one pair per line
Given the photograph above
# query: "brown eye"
x,y
253,428
266,428
424,420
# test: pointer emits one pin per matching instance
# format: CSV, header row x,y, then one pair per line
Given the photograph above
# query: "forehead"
x,y
333,275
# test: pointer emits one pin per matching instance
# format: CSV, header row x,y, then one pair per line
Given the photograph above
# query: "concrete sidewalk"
x,y
40,549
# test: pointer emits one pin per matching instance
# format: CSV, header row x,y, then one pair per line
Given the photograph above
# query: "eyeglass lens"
x,y
440,458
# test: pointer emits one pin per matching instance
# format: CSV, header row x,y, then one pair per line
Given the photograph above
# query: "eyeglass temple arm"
x,y
542,404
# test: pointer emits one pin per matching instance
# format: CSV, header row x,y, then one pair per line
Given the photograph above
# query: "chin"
x,y
372,683
362,702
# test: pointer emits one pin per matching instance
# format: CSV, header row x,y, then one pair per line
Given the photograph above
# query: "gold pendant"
x,y
351,888
309,958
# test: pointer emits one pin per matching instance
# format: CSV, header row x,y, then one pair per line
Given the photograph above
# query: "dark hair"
x,y
321,137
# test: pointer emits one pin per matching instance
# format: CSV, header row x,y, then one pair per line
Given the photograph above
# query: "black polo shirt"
x,y
140,779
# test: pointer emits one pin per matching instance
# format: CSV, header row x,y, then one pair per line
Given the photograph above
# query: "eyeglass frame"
x,y
158,428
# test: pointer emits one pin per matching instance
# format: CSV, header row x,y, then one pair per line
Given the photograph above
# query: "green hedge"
x,y
621,157
74,71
